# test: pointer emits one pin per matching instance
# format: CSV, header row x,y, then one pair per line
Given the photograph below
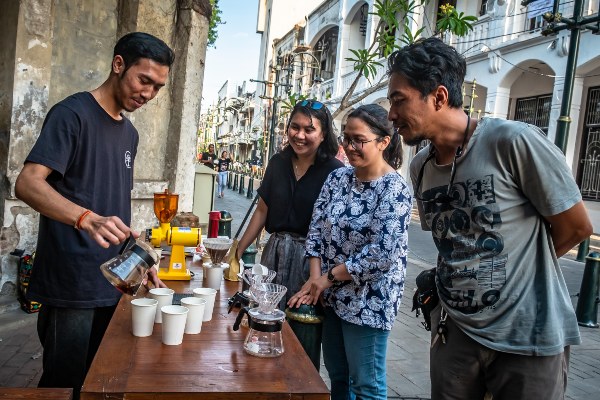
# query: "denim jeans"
x,y
355,359
222,181
70,338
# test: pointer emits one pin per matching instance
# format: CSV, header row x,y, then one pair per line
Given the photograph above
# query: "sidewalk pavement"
x,y
408,349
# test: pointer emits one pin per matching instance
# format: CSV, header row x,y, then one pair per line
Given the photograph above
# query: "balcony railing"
x,y
364,83
495,31
325,91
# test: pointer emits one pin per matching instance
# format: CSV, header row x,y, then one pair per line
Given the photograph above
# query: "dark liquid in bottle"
x,y
127,288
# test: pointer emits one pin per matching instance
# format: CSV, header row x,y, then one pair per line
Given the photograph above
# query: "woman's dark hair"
x,y
376,118
315,109
223,152
136,45
429,63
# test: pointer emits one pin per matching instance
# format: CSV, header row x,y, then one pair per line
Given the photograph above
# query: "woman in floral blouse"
x,y
357,244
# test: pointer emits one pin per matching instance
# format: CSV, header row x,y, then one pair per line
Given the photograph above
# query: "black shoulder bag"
x,y
426,296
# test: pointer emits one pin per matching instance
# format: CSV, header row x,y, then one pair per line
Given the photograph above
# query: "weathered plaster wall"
x,y
86,32
152,120
8,33
186,92
33,50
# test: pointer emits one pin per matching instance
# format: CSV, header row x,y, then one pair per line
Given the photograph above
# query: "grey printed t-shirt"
x,y
498,275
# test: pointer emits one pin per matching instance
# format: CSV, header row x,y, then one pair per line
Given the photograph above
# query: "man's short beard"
x,y
414,141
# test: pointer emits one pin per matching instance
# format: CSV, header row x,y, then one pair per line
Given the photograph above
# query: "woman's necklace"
x,y
298,172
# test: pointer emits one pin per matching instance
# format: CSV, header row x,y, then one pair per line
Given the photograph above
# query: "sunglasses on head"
x,y
313,104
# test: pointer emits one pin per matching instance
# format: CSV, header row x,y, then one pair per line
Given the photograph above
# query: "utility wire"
x,y
478,42
536,73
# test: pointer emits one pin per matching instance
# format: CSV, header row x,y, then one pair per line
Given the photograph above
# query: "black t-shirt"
x,y
208,156
291,202
223,164
91,155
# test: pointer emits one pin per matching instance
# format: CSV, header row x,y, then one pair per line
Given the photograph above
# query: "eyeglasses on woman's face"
x,y
357,144
313,104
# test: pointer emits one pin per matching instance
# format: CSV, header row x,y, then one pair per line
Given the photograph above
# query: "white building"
x,y
519,73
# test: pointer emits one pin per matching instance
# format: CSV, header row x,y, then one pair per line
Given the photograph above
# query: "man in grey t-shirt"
x,y
502,205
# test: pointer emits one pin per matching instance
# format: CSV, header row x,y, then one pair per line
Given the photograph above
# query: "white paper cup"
x,y
174,318
164,297
214,276
196,306
207,294
205,267
143,312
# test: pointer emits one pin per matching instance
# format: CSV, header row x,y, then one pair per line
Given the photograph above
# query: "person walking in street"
x,y
79,177
223,164
502,206
209,157
289,189
357,246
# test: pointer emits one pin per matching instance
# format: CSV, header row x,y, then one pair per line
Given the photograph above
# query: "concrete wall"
x,y
8,32
52,48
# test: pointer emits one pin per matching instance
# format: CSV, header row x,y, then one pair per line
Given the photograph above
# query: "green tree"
x,y
215,21
395,16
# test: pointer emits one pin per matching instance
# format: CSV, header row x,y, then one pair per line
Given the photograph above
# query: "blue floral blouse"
x,y
365,226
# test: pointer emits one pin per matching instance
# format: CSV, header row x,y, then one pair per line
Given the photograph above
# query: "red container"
x,y
213,224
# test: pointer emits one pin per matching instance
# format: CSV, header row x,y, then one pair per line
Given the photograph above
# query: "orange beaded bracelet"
x,y
81,218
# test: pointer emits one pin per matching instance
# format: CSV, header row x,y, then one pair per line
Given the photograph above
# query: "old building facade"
x,y
513,71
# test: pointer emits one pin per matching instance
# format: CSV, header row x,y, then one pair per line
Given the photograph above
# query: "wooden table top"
x,y
36,393
210,365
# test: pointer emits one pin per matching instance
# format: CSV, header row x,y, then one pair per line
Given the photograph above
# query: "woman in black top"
x,y
290,187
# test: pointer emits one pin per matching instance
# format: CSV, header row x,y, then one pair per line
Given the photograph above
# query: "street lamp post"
x,y
275,99
291,66
274,111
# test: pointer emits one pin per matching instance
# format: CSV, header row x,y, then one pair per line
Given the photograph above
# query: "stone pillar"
x,y
557,94
497,102
33,52
191,31
575,114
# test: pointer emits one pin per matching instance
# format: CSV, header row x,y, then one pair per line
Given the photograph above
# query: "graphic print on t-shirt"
x,y
128,159
471,266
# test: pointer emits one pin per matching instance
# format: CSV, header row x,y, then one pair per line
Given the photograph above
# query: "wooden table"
x,y
36,393
210,365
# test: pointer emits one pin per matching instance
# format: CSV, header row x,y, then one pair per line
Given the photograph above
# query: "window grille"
x,y
589,163
534,111
484,7
364,13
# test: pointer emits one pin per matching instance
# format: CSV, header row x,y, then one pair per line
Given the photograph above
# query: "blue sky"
x,y
235,57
